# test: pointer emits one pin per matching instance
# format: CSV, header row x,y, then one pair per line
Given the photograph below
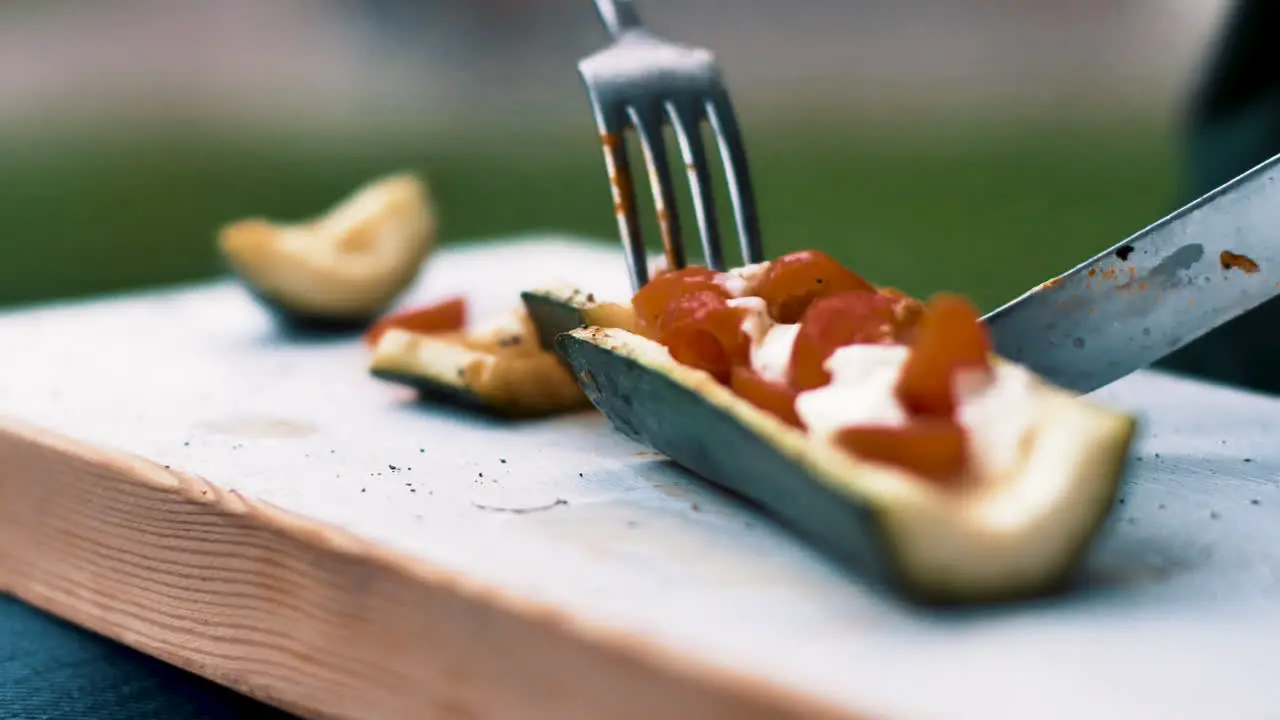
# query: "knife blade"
x,y
1152,293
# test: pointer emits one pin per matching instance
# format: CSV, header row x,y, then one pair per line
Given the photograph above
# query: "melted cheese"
x,y
770,342
741,282
861,391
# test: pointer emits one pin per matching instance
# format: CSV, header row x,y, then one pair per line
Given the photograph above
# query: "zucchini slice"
x,y
499,369
999,539
342,269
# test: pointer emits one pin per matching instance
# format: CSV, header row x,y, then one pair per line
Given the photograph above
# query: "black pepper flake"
x,y
1255,501
1213,515
579,474
1248,459
361,489
1160,506
186,444
421,450
393,468
413,490
502,460
1121,501
591,297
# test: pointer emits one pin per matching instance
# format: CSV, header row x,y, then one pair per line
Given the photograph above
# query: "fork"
x,y
641,81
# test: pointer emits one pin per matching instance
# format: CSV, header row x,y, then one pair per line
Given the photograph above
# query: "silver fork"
x,y
641,81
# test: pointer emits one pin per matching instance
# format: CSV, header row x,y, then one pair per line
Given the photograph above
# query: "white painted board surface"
x,y
1180,616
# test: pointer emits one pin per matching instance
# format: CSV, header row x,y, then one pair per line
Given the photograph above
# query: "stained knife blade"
x,y
1153,292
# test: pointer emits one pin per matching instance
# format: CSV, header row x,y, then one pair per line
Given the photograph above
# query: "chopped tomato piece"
x,y
651,301
700,329
444,316
773,397
832,322
907,312
792,282
690,306
950,337
696,347
932,447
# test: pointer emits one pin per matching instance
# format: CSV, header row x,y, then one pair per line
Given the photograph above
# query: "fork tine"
x,y
729,137
624,194
648,126
686,122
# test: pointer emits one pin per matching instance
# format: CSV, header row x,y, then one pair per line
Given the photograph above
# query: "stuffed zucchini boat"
x,y
498,368
880,428
344,268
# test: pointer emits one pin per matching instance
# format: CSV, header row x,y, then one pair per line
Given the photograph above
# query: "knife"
x,y
1154,292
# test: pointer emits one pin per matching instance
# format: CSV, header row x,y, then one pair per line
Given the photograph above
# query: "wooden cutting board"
x,y
177,475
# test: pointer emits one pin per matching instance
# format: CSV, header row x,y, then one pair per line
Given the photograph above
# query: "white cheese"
x,y
998,414
861,391
771,342
740,282
771,359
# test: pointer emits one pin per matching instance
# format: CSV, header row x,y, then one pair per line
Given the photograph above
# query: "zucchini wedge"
x,y
559,309
1020,533
499,369
342,269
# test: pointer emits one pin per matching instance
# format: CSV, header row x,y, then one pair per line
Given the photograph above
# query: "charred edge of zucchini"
x,y
861,514
558,310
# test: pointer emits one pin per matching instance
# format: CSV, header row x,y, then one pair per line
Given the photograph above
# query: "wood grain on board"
x,y
177,475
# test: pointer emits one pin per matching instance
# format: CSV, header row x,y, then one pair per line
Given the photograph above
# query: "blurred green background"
x,y
914,182
983,214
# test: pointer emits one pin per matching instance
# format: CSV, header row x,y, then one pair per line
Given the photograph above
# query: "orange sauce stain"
x,y
1234,261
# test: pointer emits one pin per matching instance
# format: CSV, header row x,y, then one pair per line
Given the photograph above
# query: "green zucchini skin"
x,y
653,409
553,315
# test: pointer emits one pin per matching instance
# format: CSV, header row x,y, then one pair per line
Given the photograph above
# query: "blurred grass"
x,y
986,213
